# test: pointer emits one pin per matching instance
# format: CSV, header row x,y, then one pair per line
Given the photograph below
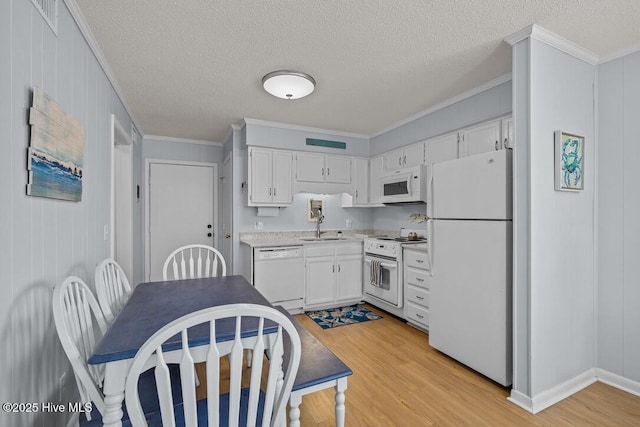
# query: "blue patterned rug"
x,y
334,317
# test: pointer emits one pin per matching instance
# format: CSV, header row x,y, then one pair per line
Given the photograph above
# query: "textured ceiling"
x,y
191,68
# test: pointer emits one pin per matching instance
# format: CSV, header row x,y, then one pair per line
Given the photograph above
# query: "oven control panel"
x,y
382,247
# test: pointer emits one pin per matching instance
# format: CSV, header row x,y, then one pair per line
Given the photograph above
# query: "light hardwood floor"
x,y
399,380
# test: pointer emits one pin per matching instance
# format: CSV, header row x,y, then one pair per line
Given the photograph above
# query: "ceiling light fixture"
x,y
288,84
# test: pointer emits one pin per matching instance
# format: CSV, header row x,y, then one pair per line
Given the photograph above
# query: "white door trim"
x,y
229,159
147,168
119,136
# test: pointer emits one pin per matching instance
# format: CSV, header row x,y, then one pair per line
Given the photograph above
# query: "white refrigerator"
x,y
470,239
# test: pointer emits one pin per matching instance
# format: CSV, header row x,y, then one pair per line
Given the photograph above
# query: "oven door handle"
x,y
382,264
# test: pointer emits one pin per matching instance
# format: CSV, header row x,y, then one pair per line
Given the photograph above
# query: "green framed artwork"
x,y
569,161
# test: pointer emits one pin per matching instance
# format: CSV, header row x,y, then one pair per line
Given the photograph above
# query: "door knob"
x,y
227,236
209,234
208,225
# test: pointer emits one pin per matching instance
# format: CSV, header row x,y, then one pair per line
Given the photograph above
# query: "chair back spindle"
x,y
263,402
112,288
194,261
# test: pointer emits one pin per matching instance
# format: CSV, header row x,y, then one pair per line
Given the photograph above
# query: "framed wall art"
x,y
55,154
569,161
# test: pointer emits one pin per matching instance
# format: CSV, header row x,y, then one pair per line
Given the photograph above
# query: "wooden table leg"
x,y
341,386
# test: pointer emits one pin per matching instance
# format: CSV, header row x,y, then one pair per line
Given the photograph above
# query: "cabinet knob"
x,y
506,143
496,145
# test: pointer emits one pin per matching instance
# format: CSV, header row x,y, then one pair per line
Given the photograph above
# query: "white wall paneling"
x,y
618,208
521,206
555,303
44,240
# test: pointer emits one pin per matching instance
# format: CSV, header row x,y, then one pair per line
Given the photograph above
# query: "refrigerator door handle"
x,y
430,193
430,245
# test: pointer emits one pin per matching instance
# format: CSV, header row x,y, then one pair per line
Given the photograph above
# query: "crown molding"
x,y
476,90
229,133
247,121
78,17
183,140
620,53
552,39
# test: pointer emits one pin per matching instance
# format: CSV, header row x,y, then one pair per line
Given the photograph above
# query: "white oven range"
x,y
383,272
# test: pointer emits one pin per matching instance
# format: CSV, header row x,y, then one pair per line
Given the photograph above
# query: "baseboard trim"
x,y
521,400
554,395
619,382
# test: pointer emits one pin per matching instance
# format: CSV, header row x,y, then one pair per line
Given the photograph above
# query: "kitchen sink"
x,y
321,239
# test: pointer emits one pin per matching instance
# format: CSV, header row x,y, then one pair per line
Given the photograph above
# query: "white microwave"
x,y
404,186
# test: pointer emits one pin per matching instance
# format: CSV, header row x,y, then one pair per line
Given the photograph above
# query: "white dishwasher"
x,y
278,274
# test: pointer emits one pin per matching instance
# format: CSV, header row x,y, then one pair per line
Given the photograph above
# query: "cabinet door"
x,y
361,178
310,167
508,138
349,277
393,160
442,148
338,169
320,280
413,155
260,176
481,139
375,172
282,177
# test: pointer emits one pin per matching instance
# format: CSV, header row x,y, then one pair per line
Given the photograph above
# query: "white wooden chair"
x,y
194,261
80,326
262,403
112,288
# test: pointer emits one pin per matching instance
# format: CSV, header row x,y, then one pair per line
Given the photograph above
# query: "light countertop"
x,y
297,238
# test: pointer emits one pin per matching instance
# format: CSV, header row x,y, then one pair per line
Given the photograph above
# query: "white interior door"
x,y
181,210
226,203
122,199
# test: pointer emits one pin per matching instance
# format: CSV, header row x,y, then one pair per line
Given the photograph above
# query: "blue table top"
x,y
318,364
155,304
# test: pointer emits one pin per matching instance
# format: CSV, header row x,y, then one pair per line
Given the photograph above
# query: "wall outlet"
x,y
105,232
258,225
349,223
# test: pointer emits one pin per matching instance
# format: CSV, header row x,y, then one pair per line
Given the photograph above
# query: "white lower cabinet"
x,y
333,274
416,287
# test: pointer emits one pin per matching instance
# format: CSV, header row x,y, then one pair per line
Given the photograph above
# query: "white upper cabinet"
x,y
360,182
442,148
338,169
313,167
376,165
310,167
269,177
404,157
480,139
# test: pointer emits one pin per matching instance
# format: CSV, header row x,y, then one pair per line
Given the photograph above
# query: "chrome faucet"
x,y
319,221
